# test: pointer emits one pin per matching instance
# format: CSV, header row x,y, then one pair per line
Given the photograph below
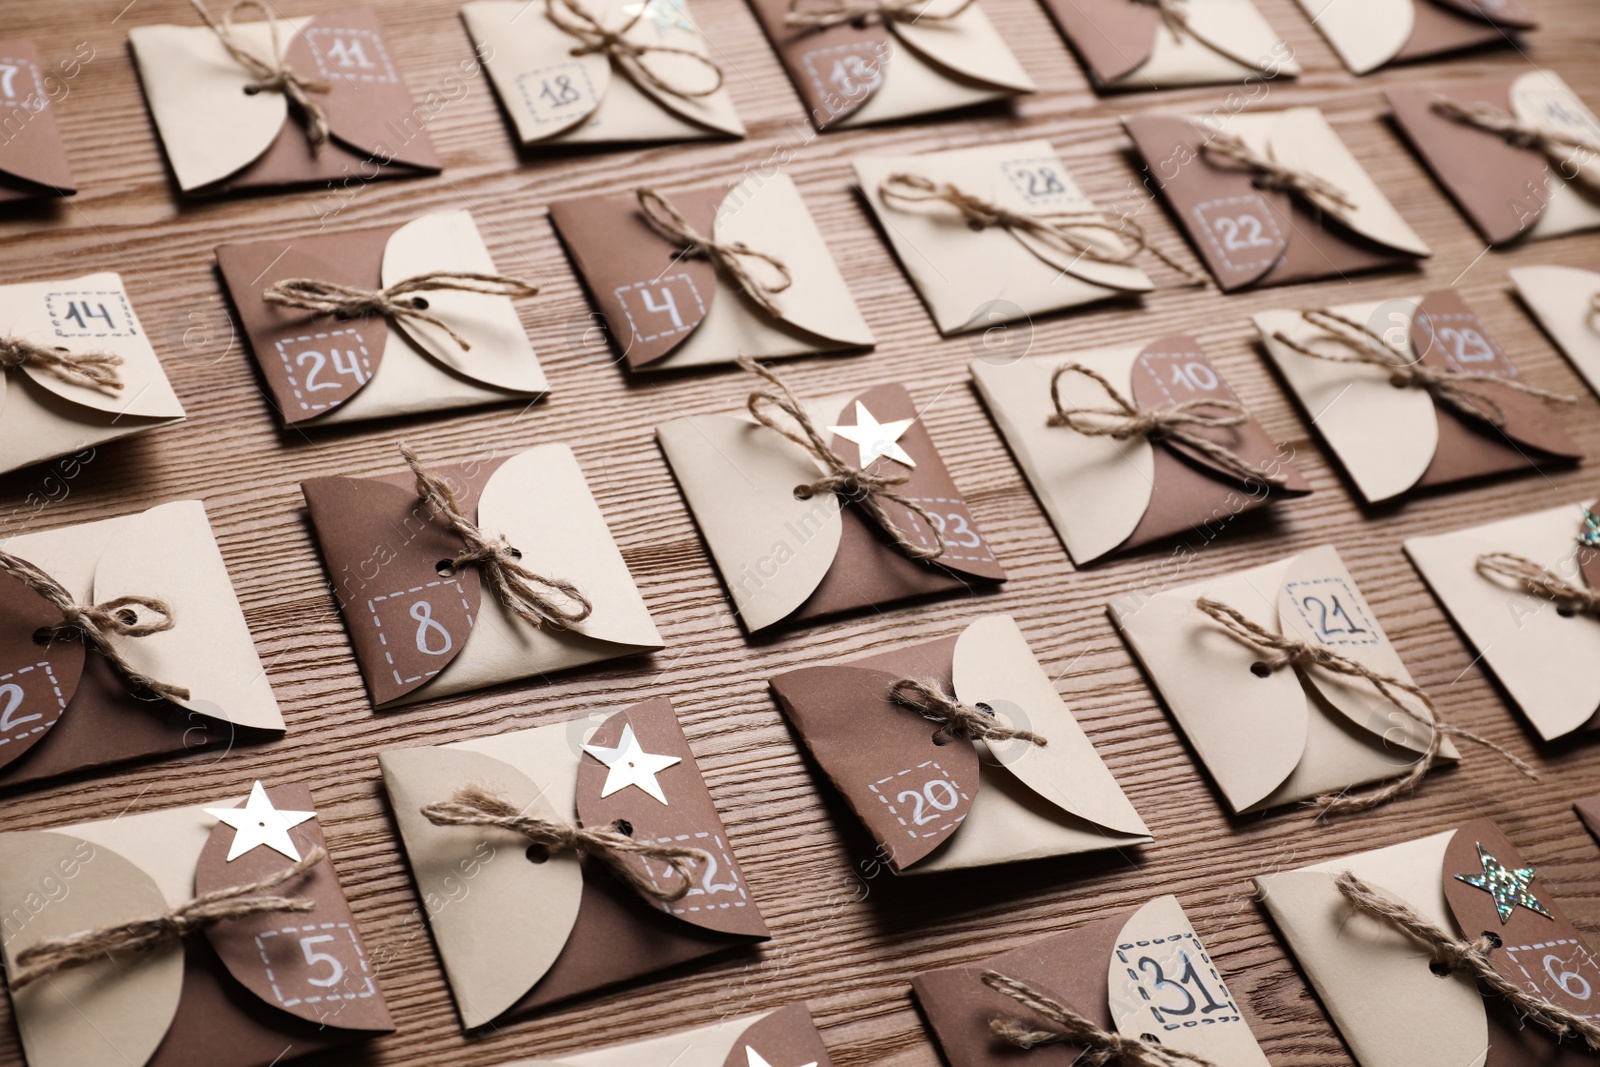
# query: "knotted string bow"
x,y
821,16
271,75
1557,146
1067,1027
1271,174
630,57
1175,15
956,719
397,301
732,258
93,370
1540,581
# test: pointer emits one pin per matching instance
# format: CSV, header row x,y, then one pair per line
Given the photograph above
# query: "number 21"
x,y
1333,614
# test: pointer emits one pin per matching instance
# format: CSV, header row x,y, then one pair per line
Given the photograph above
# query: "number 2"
x,y
1242,233
344,362
12,694
313,958
955,525
1325,614
945,801
707,886
8,80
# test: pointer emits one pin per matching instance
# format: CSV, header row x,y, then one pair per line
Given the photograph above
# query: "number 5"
x,y
313,958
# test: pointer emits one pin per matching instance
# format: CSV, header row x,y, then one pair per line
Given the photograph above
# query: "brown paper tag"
x,y
37,682
33,158
836,70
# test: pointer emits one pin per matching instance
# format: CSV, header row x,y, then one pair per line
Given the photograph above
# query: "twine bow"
x,y
1490,119
1447,385
271,75
1125,419
1059,230
1069,1028
138,935
534,598
1284,651
1540,581
1471,956
733,258
956,719
473,806
95,624
852,484
93,370
1175,15
397,301
630,57
1271,174
831,13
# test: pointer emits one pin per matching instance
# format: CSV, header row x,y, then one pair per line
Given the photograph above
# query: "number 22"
x,y
1242,233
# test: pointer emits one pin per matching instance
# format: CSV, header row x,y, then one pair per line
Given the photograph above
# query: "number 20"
x,y
938,794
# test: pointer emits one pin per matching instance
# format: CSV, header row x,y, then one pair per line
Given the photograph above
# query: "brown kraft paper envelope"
x,y
527,934
1128,45
779,1038
1392,439
1142,490
420,632
1287,736
664,309
1141,973
789,560
219,138
64,708
320,369
245,992
930,806
1376,983
33,158
1251,236
1588,810
1368,34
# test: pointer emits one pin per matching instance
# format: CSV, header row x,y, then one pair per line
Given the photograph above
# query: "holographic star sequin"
x,y
1508,887
1589,536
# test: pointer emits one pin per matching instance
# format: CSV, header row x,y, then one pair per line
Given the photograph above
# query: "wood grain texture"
x,y
845,942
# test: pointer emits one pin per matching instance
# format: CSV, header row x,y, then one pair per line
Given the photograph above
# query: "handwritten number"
x,y
668,304
336,969
1333,614
560,91
707,886
12,694
1571,983
1242,233
344,362
938,794
853,75
1043,182
1189,976
1467,345
1195,377
8,80
349,53
81,311
422,612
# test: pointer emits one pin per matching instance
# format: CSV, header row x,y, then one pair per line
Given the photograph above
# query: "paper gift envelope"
x,y
1391,438
851,74
527,932
665,309
321,369
1131,46
43,416
1540,656
1562,300
1251,236
1104,495
1141,973
933,802
784,559
241,992
1507,191
65,708
421,630
1284,735
557,96
785,1037
1589,811
33,159
1390,1006
1368,34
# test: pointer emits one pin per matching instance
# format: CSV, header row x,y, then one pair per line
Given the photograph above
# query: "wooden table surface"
x,y
844,942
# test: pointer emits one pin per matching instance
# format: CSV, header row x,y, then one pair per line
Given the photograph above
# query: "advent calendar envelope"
x,y
936,801
220,135
422,629
1251,234
1368,34
33,159
1562,299
1142,973
321,369
1588,810
1393,433
560,89
1288,734
785,559
849,71
1506,188
1132,46
1540,653
785,1037
248,991
67,708
531,929
1391,1006
665,309
1106,495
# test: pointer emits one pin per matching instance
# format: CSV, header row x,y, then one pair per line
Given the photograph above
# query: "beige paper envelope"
x,y
1180,59
41,416
1541,100
1287,736
555,97
1365,34
1562,300
1543,659
707,1046
974,279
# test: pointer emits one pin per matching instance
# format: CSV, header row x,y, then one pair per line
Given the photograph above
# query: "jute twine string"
x,y
1281,651
1060,230
93,370
856,486
733,258
1490,119
1067,1027
1540,581
1450,387
956,719
1175,14
831,13
1125,419
271,75
96,624
474,806
1471,956
535,598
1271,174
630,57
137,935
397,301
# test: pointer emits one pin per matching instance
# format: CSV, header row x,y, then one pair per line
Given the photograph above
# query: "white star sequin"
x,y
876,438
631,765
259,823
755,1059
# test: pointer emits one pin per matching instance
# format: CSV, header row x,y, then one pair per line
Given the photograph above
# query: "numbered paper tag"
x,y
1043,181
1331,612
1455,335
351,54
845,75
953,520
716,883
660,307
37,681
324,369
1239,234
556,94
315,964
20,85
421,628
91,313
